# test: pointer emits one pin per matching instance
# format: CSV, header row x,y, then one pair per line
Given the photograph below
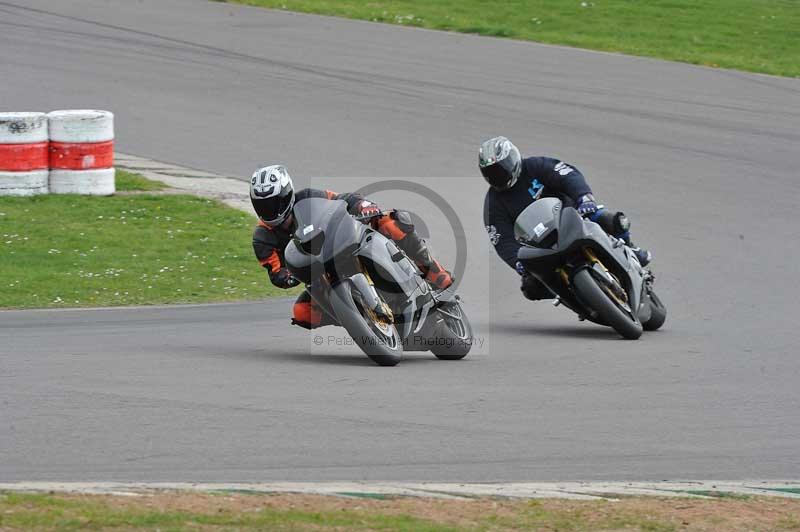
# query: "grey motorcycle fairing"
x,y
326,221
390,265
391,268
345,239
535,225
330,219
538,223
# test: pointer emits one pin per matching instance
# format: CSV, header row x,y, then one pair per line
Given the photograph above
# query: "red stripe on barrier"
x,y
23,157
81,155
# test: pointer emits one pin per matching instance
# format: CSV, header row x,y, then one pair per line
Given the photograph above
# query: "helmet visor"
x,y
273,211
500,175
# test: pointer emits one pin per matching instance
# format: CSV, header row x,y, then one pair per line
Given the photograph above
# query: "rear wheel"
x,y
454,333
606,305
377,338
658,312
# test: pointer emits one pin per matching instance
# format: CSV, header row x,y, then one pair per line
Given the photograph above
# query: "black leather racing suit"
x,y
540,177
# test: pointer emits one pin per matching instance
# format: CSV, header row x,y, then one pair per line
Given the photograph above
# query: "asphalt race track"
x,y
704,161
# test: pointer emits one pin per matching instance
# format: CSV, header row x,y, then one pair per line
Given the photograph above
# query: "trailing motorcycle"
x,y
366,284
590,272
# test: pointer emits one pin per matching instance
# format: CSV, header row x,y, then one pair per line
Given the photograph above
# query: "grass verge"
x,y
128,181
191,511
755,35
133,249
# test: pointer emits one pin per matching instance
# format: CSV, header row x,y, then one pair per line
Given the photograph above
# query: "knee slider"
x,y
303,324
404,221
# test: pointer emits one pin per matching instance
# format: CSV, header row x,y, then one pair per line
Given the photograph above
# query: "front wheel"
x,y
454,332
378,340
594,297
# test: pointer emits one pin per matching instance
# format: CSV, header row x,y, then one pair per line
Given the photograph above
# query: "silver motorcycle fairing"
x,y
304,267
330,219
326,235
391,264
344,240
536,224
538,221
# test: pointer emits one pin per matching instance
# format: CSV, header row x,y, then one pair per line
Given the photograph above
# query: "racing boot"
x,y
618,225
418,251
642,254
436,275
398,226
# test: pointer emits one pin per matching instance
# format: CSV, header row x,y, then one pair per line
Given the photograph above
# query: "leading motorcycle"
x,y
366,284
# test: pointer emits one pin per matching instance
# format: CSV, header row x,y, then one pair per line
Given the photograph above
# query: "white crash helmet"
x,y
272,194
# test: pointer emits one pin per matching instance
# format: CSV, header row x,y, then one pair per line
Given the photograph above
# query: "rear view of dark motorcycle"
x,y
590,272
366,284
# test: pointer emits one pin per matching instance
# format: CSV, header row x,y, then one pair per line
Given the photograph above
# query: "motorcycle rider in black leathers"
x,y
273,197
515,183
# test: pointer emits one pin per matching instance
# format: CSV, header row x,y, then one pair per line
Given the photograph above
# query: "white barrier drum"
x,y
23,183
81,152
23,154
99,182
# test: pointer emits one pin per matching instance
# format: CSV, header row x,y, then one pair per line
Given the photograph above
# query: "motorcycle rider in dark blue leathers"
x,y
515,183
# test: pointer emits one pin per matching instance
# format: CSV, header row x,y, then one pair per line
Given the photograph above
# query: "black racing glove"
x,y
283,279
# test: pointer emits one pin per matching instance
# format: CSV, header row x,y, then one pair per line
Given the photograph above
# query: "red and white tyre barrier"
x,y
23,154
81,152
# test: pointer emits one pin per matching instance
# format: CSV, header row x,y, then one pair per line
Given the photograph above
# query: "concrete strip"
x,y
229,190
537,490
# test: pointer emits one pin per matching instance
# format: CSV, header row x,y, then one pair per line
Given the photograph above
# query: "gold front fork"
x,y
590,256
621,296
564,276
593,258
384,308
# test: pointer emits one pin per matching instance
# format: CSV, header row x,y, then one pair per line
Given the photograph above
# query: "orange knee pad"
x,y
388,227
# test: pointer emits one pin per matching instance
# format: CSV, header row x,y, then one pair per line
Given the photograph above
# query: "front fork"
x,y
613,286
591,258
371,299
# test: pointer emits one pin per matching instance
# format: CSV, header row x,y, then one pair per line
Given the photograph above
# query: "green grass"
x,y
137,249
538,515
33,511
128,181
755,35
206,511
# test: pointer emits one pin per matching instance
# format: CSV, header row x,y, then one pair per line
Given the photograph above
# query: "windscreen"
x,y
312,214
537,219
